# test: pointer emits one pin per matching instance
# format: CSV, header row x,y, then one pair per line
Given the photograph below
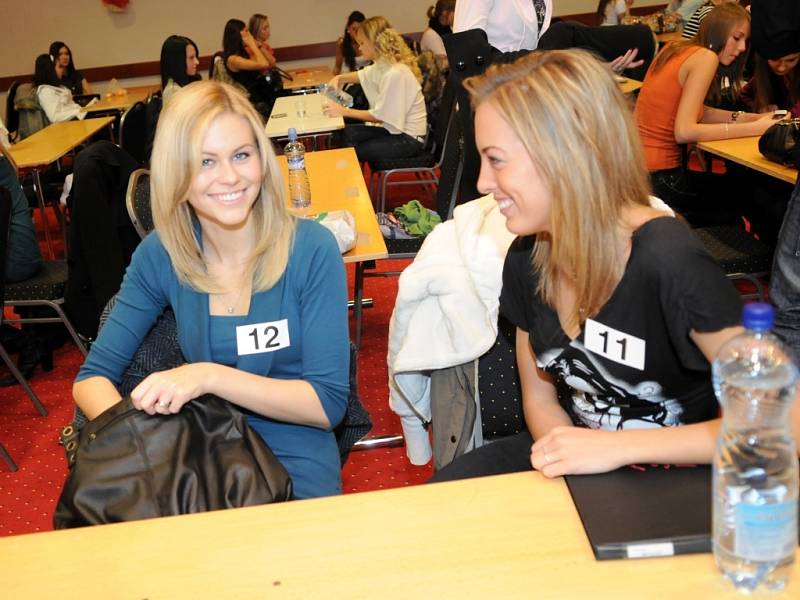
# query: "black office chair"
x,y
5,223
12,116
133,132
447,196
739,254
425,166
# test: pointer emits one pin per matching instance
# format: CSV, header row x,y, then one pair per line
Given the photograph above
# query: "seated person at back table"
x,y
179,62
226,254
245,61
348,55
675,108
395,123
618,307
66,72
55,99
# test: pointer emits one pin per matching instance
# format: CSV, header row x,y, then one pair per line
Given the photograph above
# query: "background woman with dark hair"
x,y
440,24
245,61
347,52
55,99
68,75
179,62
776,81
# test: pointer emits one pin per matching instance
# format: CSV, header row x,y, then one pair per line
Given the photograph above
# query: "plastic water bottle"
x,y
338,96
299,188
755,466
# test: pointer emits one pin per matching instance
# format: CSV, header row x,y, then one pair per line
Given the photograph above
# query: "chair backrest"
x,y
133,132
440,122
137,200
452,167
153,107
12,116
5,224
31,116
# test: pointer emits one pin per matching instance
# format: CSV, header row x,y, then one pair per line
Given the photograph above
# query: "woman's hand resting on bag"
x,y
165,392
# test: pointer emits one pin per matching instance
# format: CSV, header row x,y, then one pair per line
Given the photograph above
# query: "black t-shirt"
x,y
633,365
74,82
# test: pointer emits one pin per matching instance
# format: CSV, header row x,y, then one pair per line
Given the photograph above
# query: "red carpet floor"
x,y
28,497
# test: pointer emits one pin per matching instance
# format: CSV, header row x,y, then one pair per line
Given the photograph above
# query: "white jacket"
x,y
510,25
446,311
57,103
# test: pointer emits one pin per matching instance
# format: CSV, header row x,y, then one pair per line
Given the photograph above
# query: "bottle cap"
x,y
292,134
758,316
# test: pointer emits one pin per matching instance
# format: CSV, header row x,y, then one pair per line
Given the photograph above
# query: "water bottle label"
x,y
614,345
765,532
296,163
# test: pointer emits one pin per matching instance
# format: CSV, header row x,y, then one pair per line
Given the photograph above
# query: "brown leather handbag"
x,y
128,465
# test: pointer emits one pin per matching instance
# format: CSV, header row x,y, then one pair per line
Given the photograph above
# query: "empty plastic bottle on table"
x,y
755,469
299,188
338,96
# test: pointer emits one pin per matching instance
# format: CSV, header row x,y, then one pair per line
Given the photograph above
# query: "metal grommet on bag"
x,y
68,431
72,445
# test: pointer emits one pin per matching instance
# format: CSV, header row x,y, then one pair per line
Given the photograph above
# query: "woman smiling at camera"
x,y
259,297
618,308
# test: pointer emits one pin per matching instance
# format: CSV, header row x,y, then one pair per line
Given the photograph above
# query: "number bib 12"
x,y
613,344
257,338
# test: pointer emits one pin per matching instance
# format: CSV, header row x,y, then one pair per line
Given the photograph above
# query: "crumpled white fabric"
x,y
446,311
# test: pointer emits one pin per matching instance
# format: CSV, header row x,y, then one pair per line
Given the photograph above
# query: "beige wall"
x,y
100,38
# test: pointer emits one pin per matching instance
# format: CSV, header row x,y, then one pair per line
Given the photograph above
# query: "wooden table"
x,y
284,115
48,145
308,77
745,152
338,183
509,536
122,102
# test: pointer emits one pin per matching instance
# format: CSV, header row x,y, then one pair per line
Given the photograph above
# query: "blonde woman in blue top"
x,y
259,297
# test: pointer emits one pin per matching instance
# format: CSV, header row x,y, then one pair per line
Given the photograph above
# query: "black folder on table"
x,y
634,513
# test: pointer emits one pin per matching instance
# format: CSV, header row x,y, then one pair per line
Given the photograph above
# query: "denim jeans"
x,y
376,143
784,284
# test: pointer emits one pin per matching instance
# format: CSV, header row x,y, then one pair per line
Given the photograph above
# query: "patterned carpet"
x,y
28,497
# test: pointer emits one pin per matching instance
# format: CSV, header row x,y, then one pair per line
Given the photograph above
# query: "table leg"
x,y
37,186
358,293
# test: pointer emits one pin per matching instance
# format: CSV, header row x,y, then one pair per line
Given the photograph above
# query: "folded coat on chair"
x,y
129,465
446,311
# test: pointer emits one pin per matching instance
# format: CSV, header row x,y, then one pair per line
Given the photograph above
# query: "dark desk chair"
x,y
5,223
739,254
12,116
425,166
133,132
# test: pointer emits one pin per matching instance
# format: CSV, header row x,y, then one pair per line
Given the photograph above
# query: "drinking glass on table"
x,y
300,106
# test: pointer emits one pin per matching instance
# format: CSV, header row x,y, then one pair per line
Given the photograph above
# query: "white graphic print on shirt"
x,y
602,401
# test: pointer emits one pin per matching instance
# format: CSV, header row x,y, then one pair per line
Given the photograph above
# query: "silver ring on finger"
x,y
163,403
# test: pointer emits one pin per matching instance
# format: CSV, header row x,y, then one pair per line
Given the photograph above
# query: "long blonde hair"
x,y
176,159
389,44
589,157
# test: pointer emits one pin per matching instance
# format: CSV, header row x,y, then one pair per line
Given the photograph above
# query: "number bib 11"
x,y
257,338
614,344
